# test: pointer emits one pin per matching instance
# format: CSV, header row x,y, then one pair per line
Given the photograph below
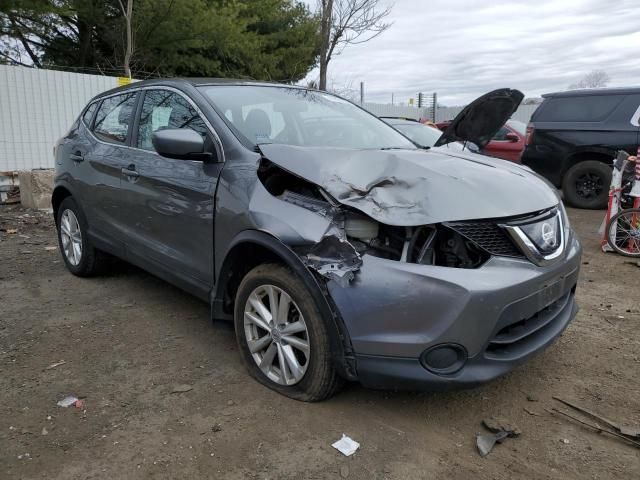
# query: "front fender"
x,y
339,337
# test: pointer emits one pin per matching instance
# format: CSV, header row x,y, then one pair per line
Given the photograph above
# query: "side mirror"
x,y
512,137
180,143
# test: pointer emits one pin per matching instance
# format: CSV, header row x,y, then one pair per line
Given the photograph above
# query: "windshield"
x,y
295,116
419,133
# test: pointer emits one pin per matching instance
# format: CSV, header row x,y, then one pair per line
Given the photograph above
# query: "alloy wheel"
x,y
276,335
71,237
589,185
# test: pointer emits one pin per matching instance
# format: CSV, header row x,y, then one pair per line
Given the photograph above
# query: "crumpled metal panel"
x,y
417,187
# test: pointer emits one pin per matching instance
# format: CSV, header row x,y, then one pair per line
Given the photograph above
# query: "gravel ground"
x,y
129,341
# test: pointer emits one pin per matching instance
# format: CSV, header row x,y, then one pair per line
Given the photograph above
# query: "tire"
x,y
90,260
626,226
586,185
309,377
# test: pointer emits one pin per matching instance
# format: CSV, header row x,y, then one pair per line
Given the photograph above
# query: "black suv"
x,y
573,138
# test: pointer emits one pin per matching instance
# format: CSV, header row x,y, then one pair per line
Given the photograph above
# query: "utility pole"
x,y
361,93
435,106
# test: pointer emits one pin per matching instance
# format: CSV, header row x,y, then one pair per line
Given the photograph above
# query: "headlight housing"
x,y
542,239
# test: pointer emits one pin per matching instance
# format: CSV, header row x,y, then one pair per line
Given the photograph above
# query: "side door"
x,y
169,202
105,160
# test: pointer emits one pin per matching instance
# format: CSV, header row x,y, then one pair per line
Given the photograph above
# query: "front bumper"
x,y
500,314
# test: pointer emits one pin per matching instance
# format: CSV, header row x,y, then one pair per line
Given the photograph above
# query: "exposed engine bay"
x,y
338,255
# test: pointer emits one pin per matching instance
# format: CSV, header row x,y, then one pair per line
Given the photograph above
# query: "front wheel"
x,y
283,339
623,232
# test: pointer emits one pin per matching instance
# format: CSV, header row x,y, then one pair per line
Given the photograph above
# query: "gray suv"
x,y
340,249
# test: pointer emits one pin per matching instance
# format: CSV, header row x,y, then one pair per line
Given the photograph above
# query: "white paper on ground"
x,y
67,401
346,445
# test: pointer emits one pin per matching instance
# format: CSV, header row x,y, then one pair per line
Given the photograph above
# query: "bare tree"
x,y
593,79
347,22
128,49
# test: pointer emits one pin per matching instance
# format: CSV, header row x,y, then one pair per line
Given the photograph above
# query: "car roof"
x,y
196,82
594,91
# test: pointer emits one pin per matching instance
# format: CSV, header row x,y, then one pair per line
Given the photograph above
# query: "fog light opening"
x,y
444,359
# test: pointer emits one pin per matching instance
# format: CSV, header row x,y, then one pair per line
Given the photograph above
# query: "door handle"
x,y
130,171
77,157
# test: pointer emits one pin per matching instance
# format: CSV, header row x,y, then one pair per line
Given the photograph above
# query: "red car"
x,y
508,143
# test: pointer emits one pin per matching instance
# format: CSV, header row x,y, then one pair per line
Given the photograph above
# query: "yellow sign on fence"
x,y
123,81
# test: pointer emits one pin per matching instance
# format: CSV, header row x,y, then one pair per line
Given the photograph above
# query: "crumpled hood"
x,y
417,187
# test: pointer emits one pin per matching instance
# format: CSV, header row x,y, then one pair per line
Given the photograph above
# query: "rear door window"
x,y
88,114
114,117
591,108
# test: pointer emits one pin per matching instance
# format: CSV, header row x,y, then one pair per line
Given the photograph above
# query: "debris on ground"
x,y
68,401
630,431
500,429
531,412
630,435
54,365
44,431
50,248
216,428
499,424
346,445
182,388
635,263
485,443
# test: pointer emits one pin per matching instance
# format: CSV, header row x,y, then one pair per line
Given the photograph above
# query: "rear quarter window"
x,y
87,116
591,108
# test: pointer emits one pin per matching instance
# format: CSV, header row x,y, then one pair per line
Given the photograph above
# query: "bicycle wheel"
x,y
623,232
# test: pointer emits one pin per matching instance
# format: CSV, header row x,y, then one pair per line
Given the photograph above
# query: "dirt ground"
x,y
129,340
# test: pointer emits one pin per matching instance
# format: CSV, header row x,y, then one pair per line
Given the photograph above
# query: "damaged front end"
x,y
331,238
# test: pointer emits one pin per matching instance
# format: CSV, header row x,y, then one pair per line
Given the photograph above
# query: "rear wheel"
x,y
586,185
79,255
623,232
282,337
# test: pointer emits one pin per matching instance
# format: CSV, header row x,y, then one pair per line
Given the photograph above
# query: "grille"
x,y
488,236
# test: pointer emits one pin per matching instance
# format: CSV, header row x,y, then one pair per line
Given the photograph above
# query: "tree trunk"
x,y
128,52
325,35
84,43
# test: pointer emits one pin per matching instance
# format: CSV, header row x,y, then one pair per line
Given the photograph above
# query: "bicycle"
x,y
623,229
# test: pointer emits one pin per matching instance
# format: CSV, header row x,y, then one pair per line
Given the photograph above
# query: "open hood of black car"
x,y
479,121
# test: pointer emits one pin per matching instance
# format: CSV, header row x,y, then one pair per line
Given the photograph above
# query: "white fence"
x,y
523,113
37,107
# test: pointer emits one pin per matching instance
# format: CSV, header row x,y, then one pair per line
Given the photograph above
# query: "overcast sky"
x,y
463,48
